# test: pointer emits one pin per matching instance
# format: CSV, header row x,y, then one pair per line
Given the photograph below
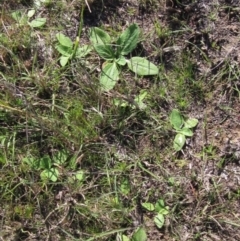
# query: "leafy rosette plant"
x,y
114,55
23,19
160,209
69,49
183,128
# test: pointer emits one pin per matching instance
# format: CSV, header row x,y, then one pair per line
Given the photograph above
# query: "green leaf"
x,y
159,205
105,51
139,235
83,51
63,50
159,220
142,66
121,61
118,102
161,208
128,40
185,131
121,237
38,22
50,174
125,187
124,238
17,15
31,12
176,119
139,99
164,211
109,76
45,162
32,162
141,96
60,157
190,123
80,175
99,36
64,40
64,60
148,206
179,142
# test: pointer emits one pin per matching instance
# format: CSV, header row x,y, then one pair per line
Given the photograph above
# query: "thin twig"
x,y
89,9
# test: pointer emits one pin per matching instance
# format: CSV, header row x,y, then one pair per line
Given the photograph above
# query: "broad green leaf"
x,y
45,162
121,61
161,208
125,238
139,235
141,105
118,102
50,174
99,36
109,76
64,60
19,17
128,40
37,3
159,220
32,162
164,211
60,157
121,237
142,66
179,142
176,119
148,206
80,175
125,187
186,132
83,51
190,123
105,51
64,40
159,205
31,12
38,22
16,15
141,96
63,50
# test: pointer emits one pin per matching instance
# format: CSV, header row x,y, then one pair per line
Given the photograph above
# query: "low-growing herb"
x,y
114,55
183,128
160,209
23,19
69,50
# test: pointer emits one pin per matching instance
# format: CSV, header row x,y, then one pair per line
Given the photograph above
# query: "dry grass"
x,y
108,159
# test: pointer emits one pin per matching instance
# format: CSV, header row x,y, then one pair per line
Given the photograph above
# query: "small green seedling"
x,y
136,103
69,50
49,167
114,55
160,209
125,187
23,19
183,128
139,235
49,172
